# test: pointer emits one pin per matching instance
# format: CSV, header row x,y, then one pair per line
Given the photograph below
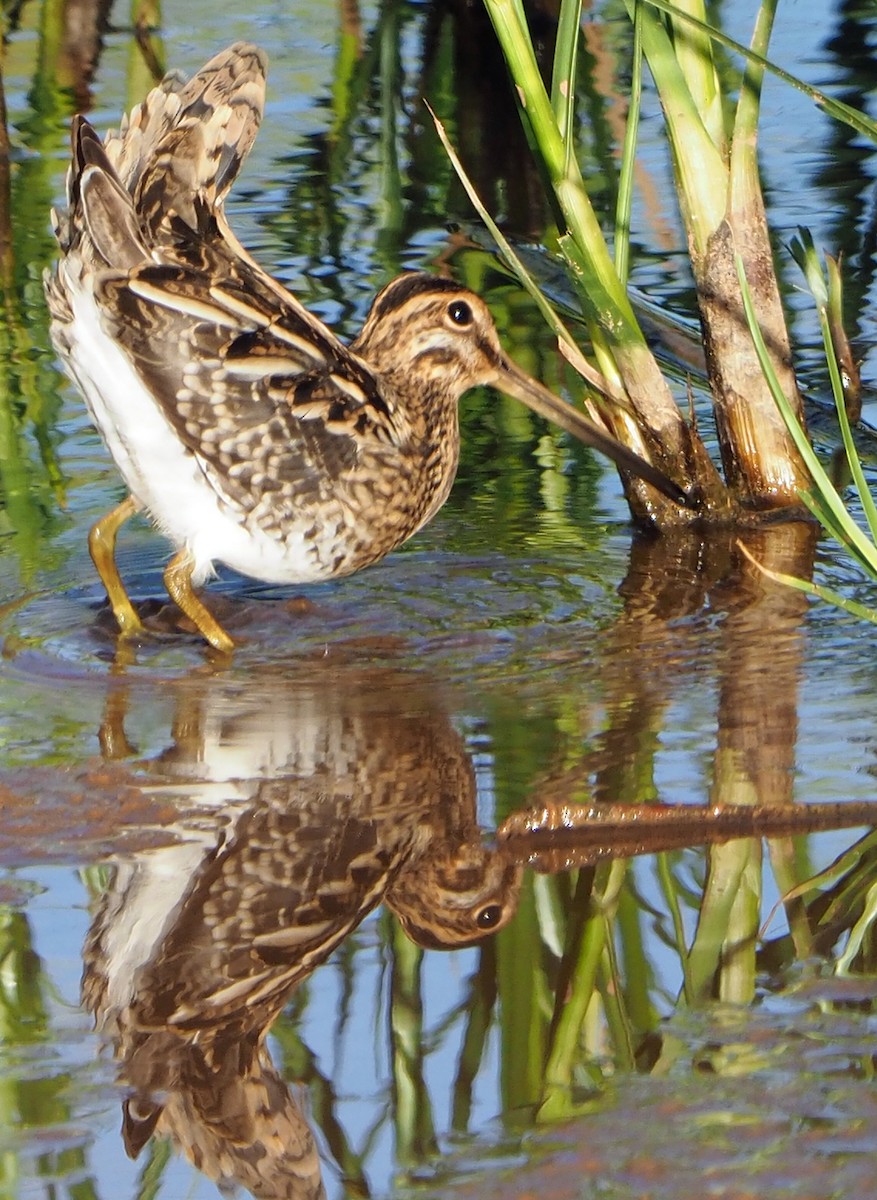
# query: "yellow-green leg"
x,y
102,547
178,581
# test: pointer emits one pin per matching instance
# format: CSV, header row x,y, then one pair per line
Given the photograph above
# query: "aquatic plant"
x,y
711,116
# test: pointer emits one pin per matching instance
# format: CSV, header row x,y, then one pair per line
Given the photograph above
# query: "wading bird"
x,y
246,430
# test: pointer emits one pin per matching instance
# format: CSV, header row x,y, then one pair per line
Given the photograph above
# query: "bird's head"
x,y
432,333
434,340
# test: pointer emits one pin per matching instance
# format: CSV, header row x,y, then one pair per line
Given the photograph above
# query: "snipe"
x,y
246,430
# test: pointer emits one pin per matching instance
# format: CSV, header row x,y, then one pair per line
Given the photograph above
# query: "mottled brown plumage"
x,y
308,802
240,423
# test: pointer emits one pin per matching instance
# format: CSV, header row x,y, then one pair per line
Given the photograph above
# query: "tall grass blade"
x,y
835,108
825,502
853,607
805,254
553,320
624,204
563,79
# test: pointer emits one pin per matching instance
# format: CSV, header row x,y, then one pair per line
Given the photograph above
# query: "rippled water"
x,y
187,840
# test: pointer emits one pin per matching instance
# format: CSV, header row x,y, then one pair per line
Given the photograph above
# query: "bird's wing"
x,y
188,139
266,397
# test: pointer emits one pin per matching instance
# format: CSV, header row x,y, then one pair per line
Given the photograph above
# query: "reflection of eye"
x,y
488,917
460,312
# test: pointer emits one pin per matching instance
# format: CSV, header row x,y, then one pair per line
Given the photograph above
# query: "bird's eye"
x,y
460,312
489,916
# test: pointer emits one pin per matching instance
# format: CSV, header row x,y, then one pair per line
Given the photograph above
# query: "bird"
x,y
305,800
246,430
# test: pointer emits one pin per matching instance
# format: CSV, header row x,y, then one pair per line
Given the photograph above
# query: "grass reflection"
x,y
35,1092
31,483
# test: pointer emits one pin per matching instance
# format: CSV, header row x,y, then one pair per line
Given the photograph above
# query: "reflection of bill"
x,y
316,800
556,837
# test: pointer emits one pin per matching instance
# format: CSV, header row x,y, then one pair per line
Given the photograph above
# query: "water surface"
x,y
651,1024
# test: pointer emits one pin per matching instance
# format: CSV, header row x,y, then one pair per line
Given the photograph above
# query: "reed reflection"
x,y
304,803
310,802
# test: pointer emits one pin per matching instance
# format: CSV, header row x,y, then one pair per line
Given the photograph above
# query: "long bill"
x,y
517,383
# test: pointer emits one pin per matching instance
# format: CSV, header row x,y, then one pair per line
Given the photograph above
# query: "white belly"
x,y
170,482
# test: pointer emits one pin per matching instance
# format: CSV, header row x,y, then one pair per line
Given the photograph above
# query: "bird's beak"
x,y
515,382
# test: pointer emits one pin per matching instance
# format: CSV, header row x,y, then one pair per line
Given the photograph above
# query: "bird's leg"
x,y
102,547
178,581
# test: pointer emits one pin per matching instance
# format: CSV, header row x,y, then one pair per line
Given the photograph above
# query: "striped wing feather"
x,y
265,395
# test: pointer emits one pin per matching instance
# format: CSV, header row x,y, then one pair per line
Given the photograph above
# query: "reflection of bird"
x,y
310,800
241,424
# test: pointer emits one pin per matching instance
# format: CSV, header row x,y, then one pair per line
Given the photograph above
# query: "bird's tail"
x,y
181,150
174,159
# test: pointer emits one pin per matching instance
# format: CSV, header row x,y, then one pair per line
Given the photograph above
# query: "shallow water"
x,y
644,1023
